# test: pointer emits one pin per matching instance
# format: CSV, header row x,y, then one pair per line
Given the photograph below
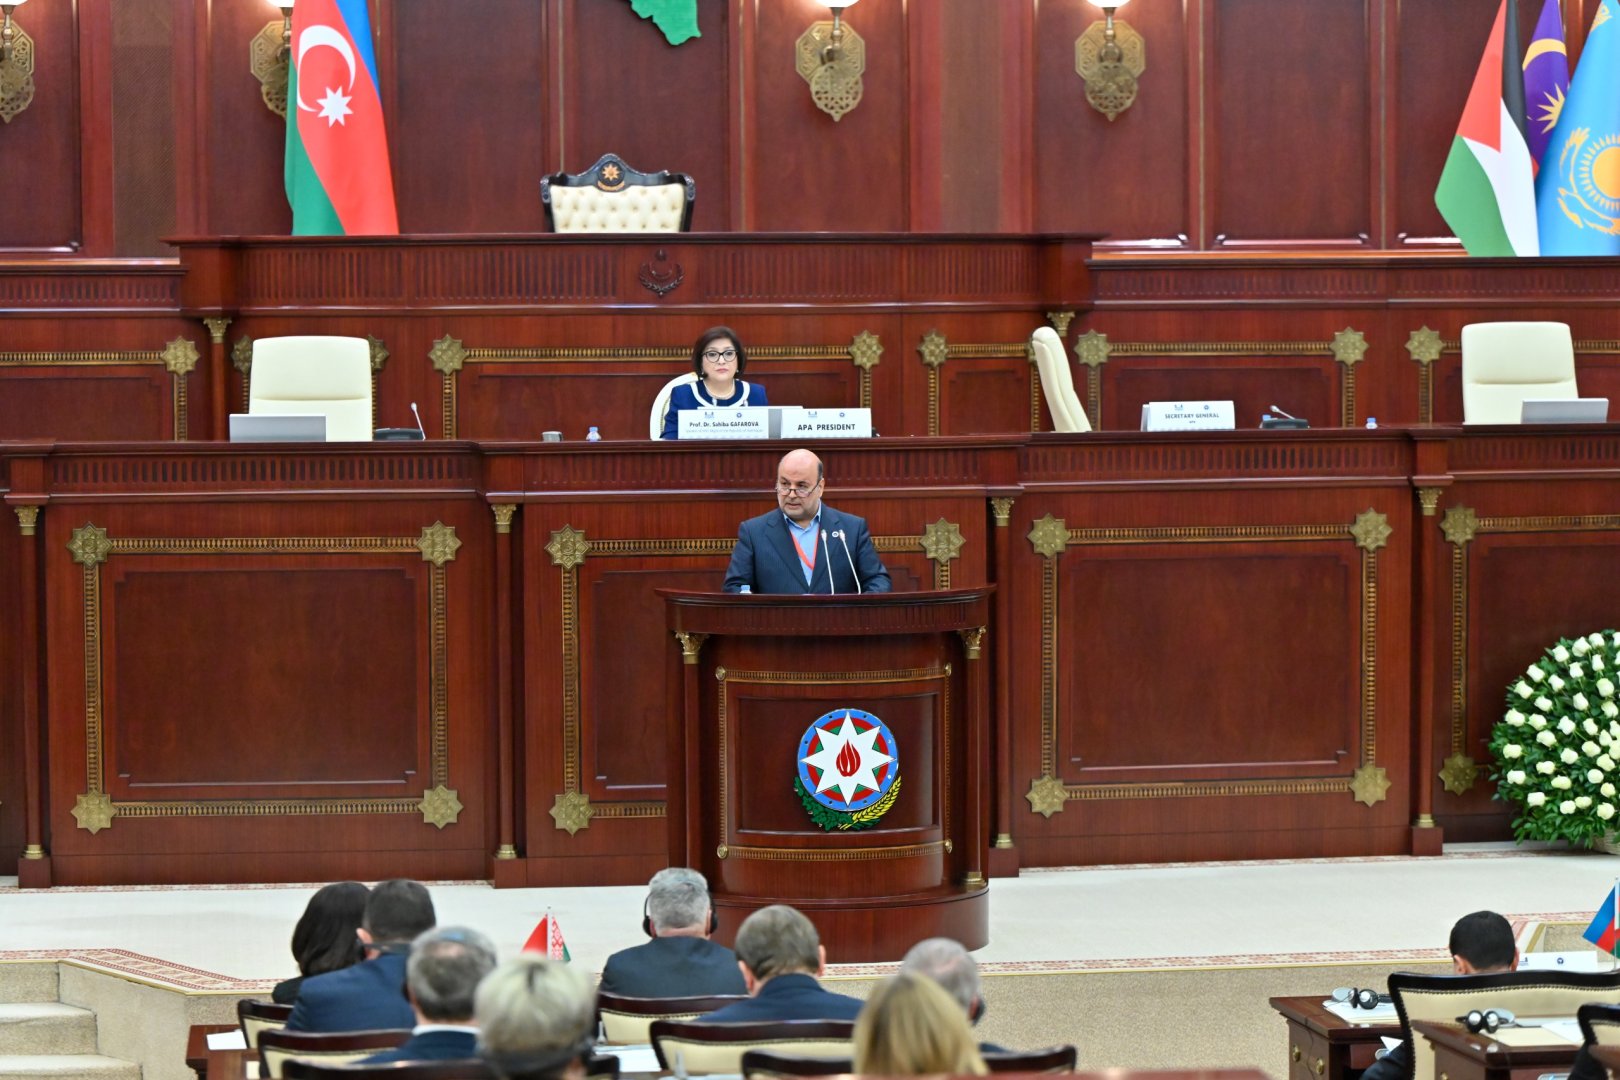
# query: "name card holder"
x,y
1188,416
826,423
744,423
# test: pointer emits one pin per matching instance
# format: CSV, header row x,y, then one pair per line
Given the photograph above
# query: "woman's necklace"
x,y
698,389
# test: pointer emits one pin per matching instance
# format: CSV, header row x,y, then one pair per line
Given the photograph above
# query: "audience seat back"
x,y
1054,1059
1600,1024
718,1048
256,1016
276,1048
625,1020
771,1065
466,1069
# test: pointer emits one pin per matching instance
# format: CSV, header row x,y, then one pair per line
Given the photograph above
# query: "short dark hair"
x,y
324,938
707,338
398,910
1485,940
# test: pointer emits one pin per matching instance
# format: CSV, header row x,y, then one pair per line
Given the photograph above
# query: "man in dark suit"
x,y
445,967
804,546
781,956
680,960
949,964
370,995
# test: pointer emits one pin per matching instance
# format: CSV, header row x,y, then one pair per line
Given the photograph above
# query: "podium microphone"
x,y
851,560
423,430
826,558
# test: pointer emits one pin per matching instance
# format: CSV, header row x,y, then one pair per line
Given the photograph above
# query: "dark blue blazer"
x,y
673,967
685,396
429,1046
788,997
369,996
766,561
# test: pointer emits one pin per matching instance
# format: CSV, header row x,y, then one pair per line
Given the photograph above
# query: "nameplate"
x,y
742,423
1188,416
826,423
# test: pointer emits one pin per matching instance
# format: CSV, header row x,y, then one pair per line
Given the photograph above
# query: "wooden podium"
x,y
896,859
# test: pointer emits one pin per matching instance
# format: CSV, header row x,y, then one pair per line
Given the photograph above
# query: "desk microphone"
x,y
850,559
1275,418
1279,412
423,430
826,558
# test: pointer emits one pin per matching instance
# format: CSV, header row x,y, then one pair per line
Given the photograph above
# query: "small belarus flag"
x,y
1605,929
1487,191
337,175
547,938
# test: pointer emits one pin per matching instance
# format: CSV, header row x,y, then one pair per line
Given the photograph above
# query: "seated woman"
x,y
717,359
324,939
911,1027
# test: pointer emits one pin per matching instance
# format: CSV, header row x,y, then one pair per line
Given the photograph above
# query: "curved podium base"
x,y
857,932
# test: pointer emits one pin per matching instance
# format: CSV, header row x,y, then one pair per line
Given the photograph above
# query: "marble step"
x,y
66,1067
27,980
46,1027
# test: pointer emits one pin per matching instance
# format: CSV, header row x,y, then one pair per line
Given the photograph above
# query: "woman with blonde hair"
x,y
911,1027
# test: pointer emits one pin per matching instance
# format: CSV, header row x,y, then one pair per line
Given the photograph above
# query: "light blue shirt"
x,y
806,537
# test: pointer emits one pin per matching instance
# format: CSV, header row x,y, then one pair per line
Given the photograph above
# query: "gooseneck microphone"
x,y
418,416
850,559
832,590
1287,416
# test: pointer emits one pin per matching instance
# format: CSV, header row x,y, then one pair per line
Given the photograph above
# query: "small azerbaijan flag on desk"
x,y
1605,929
337,174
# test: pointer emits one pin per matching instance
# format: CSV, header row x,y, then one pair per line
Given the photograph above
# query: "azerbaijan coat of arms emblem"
x,y
849,770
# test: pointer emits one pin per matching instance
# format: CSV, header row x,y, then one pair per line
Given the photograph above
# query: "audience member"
x,y
948,964
324,939
371,994
680,960
781,957
911,1027
1481,944
536,1017
442,973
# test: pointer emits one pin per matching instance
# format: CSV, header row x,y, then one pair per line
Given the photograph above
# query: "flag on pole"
x,y
1605,929
1578,197
1487,191
1546,80
547,938
336,171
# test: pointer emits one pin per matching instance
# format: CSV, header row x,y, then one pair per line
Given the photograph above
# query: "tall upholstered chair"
x,y
1523,993
276,1048
612,197
331,376
718,1048
1600,1024
660,406
1505,363
255,1016
1057,382
626,1019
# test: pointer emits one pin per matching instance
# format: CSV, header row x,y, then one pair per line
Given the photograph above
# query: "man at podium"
x,y
804,546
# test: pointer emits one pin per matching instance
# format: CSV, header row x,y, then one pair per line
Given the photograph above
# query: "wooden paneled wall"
x,y
1259,122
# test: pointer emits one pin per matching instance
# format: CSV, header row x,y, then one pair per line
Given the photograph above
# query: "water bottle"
x,y
1372,422
593,435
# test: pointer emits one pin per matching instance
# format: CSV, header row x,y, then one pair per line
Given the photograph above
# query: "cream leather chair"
x,y
1505,363
1600,1024
627,1020
1057,382
611,197
718,1048
295,376
660,406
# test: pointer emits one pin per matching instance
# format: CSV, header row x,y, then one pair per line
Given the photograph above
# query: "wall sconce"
x,y
16,64
832,58
1110,56
268,56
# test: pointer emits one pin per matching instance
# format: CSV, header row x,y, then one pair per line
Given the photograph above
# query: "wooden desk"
x,y
197,1051
1461,1055
1320,1044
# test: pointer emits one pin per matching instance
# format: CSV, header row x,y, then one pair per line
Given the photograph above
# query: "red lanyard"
x,y
810,560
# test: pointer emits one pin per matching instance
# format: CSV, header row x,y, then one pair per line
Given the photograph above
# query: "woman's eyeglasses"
x,y
715,355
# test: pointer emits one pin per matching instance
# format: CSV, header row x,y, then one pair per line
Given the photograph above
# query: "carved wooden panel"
x,y
43,148
99,403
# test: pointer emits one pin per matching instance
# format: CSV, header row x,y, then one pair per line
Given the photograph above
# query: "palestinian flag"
x,y
1487,191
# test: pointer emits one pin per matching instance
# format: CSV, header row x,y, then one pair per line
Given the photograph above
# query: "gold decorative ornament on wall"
x,y
831,57
1110,56
16,64
269,56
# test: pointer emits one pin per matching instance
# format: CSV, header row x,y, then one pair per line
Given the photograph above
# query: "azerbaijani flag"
x,y
337,175
1546,79
1605,929
1487,191
547,938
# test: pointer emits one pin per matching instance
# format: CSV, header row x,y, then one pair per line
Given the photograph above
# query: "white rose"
x,y
1561,654
1568,756
1576,671
1616,641
1547,738
1522,688
1580,701
1567,806
1589,726
1594,776
1591,749
1607,791
1546,768
1610,710
1605,762
1512,750
1566,725
1606,688
1595,639
1535,673
1562,783
1605,811
1516,776
1535,798
1514,717
1545,705
1597,662
1614,728
1580,648
1555,682
1538,721
1582,802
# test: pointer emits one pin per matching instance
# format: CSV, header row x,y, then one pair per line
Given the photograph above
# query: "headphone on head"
x,y
1486,1020
646,916
1360,998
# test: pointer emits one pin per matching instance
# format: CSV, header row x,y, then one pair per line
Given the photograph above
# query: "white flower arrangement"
x,y
1556,747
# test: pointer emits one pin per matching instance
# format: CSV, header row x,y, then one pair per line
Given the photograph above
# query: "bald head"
x,y
799,489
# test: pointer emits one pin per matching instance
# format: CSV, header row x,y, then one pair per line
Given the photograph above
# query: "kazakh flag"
x,y
337,174
1487,191
1578,201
